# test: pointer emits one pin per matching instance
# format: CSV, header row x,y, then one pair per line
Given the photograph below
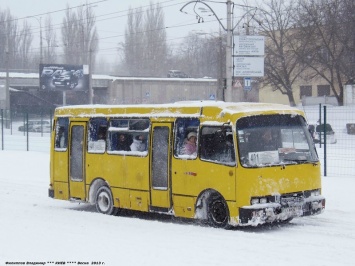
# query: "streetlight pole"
x,y
90,78
40,41
7,86
229,67
228,95
40,38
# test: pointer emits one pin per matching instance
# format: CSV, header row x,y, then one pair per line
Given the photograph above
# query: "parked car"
x,y
317,131
36,126
177,74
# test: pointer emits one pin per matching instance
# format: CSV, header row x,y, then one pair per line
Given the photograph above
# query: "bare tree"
x,y
155,50
346,34
282,67
145,49
50,39
187,58
133,45
24,46
9,40
88,43
3,38
328,42
79,35
69,37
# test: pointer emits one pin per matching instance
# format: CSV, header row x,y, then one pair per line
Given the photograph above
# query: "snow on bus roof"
x,y
176,109
233,107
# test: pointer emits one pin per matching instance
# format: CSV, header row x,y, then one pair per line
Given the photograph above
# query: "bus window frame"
x,y
58,126
94,144
249,133
179,140
127,130
222,129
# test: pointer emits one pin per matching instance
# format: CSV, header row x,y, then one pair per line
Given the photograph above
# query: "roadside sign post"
x,y
247,84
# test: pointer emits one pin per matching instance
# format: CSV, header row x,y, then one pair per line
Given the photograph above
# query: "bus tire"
x,y
217,211
104,201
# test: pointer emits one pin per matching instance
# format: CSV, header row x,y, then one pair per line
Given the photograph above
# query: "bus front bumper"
x,y
258,214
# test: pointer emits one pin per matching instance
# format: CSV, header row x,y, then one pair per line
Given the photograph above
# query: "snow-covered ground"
x,y
37,229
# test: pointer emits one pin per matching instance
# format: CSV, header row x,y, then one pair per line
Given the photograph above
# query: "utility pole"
x,y
40,37
90,78
228,95
7,87
229,67
245,94
41,41
220,74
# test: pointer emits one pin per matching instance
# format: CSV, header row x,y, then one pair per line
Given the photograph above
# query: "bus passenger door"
x,y
160,170
76,161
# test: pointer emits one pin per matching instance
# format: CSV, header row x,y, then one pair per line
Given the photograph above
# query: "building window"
x,y
323,90
305,91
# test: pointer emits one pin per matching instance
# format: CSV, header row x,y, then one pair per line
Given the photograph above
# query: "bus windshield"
x,y
273,140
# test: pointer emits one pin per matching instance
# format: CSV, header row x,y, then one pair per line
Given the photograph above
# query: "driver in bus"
x,y
267,142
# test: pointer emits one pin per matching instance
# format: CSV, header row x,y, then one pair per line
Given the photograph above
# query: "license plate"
x,y
295,210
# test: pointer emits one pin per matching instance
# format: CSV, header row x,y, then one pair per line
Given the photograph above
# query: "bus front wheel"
x,y
104,201
218,214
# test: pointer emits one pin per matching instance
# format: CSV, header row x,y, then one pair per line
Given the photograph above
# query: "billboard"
x,y
63,77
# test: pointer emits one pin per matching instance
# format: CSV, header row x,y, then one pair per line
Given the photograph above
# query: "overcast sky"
x,y
111,18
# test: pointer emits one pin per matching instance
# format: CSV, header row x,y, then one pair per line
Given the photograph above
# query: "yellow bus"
x,y
226,164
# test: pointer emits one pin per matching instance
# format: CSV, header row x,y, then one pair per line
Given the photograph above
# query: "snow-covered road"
x,y
36,228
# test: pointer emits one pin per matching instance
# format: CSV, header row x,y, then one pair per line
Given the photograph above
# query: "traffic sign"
x,y
247,84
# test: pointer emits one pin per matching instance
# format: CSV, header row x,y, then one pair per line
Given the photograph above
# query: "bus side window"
x,y
97,135
185,128
61,135
129,136
217,144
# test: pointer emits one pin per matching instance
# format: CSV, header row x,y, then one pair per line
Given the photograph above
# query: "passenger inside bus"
x,y
138,143
102,133
190,147
61,140
123,143
217,144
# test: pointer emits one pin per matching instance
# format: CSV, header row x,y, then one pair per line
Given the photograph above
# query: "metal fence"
x,y
337,154
25,131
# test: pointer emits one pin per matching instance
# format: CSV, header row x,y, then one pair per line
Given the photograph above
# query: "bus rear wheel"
x,y
218,214
104,201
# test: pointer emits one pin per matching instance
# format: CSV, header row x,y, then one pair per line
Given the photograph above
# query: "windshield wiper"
x,y
297,161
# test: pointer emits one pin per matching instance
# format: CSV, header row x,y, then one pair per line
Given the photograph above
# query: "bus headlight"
x,y
261,200
254,201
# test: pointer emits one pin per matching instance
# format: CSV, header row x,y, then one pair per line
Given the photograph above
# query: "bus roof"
x,y
177,109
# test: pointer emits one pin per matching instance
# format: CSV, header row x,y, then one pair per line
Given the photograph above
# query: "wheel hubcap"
x,y
219,212
104,202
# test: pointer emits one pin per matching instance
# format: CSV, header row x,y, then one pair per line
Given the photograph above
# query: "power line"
x,y
58,26
51,12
